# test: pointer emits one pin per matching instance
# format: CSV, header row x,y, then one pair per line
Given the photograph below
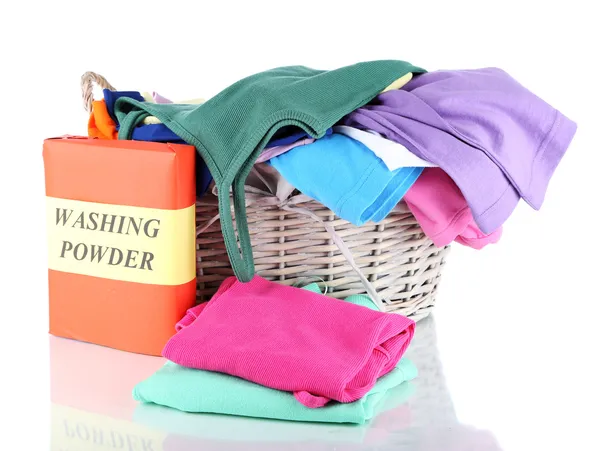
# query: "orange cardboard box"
x,y
121,240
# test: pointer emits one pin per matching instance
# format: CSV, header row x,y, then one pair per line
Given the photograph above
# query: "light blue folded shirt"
x,y
347,177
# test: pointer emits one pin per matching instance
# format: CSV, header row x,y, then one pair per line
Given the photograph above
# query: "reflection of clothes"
x,y
395,413
154,133
274,151
497,140
336,350
230,129
187,443
266,178
248,431
100,124
442,212
394,155
451,437
344,175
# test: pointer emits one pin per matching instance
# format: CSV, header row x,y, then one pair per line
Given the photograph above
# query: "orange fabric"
x,y
100,124
124,315
136,173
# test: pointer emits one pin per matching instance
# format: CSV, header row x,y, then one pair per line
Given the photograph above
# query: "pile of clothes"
x,y
459,147
261,349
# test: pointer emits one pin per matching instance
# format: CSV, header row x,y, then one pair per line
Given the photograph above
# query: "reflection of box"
x,y
73,429
121,240
96,378
92,403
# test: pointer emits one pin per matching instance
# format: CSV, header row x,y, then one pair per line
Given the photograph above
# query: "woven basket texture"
x,y
300,240
291,248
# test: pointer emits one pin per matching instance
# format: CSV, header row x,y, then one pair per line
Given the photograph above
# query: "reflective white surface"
x,y
503,408
92,407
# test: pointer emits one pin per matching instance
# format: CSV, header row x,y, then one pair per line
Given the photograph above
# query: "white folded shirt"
x,y
393,154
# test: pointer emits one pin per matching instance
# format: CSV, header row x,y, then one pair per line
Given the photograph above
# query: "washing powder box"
x,y
121,240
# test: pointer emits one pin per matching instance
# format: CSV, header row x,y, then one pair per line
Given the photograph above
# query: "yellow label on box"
x,y
120,242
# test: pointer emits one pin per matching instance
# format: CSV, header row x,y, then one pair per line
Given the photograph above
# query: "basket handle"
x,y
87,88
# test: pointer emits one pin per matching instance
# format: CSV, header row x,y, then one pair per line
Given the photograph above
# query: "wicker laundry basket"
x,y
300,240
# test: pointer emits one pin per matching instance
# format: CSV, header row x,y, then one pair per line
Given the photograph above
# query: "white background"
x,y
517,323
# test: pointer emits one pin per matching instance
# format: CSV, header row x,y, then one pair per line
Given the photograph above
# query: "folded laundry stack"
x,y
297,355
459,147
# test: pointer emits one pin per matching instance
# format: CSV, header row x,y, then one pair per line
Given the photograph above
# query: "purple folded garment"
x,y
498,141
160,99
272,152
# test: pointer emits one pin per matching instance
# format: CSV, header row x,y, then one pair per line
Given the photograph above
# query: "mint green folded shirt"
x,y
250,430
199,391
230,130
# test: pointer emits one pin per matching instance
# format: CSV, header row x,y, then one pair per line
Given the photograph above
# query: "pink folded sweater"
x,y
442,211
291,339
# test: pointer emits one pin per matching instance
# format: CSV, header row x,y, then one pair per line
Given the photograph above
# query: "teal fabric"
x,y
252,430
192,390
230,130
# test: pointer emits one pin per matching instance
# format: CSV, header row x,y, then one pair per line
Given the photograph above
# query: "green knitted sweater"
x,y
230,130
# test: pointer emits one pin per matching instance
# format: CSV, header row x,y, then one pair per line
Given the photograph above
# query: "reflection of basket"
x,y
392,261
431,405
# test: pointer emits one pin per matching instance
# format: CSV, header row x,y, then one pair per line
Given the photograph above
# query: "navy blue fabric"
x,y
110,97
158,133
161,133
289,135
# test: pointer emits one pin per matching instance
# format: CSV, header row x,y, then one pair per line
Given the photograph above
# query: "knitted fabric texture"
x,y
192,390
293,340
100,124
230,129
345,176
391,413
442,211
199,391
497,140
